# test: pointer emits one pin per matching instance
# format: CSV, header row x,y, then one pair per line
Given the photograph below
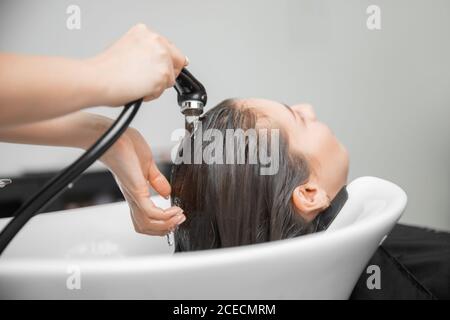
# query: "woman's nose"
x,y
306,110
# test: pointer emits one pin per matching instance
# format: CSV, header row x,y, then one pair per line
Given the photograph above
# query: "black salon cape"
x,y
414,264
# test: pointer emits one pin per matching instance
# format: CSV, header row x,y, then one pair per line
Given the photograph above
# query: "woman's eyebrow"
x,y
294,114
290,110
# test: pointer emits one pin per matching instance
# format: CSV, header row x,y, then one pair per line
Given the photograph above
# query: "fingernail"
x,y
182,219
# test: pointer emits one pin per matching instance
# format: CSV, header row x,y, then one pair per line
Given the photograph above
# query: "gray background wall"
x,y
385,93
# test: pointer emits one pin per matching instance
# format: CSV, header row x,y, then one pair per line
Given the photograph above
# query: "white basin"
x,y
94,253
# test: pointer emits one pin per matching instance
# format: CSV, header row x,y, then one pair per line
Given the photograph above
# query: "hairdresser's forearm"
x,y
37,88
78,130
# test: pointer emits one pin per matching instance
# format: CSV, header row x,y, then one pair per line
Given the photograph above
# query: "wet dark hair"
x,y
233,204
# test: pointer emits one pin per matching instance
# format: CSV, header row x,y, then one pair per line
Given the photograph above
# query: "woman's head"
x,y
234,204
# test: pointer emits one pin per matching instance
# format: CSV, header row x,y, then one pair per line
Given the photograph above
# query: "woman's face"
x,y
326,156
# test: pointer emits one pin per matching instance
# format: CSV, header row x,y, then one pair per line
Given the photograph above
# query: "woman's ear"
x,y
310,199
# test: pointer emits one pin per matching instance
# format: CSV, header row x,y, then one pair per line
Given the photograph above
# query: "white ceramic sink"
x,y
94,253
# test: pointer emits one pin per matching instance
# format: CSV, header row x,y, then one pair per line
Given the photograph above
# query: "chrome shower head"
x,y
192,98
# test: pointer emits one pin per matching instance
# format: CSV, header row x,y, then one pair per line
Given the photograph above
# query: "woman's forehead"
x,y
272,109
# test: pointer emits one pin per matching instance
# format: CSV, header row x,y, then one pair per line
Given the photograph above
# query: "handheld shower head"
x,y
192,98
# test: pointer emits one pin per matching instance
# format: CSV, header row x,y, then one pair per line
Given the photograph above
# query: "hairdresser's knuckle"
x,y
151,215
159,89
137,228
159,47
157,37
171,80
163,53
134,135
140,27
138,32
132,132
122,145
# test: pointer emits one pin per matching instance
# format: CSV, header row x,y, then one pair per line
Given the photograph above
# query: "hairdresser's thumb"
x,y
158,181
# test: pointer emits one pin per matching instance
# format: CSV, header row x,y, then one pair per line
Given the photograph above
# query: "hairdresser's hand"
x,y
140,64
131,161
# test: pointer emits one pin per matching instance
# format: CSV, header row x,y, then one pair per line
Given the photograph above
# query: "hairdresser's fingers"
x,y
148,210
178,58
152,174
155,94
140,203
142,149
164,227
128,171
154,213
158,181
145,220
